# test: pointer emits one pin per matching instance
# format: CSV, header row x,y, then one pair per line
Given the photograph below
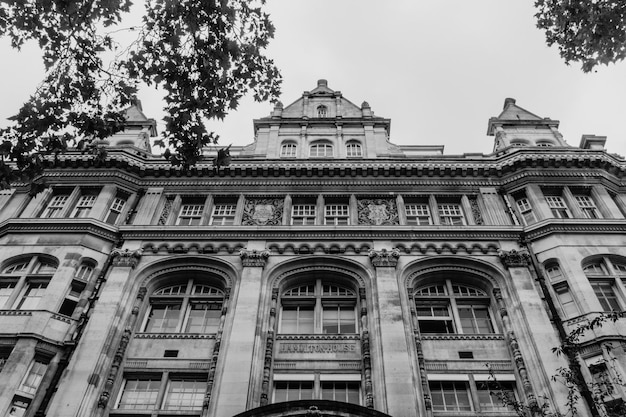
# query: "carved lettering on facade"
x,y
384,257
377,212
316,347
263,212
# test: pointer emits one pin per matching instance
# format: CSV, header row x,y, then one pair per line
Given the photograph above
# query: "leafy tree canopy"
x,y
591,32
205,54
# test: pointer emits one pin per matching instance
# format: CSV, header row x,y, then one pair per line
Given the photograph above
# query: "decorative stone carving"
x,y
514,258
478,217
384,257
115,366
263,212
377,212
254,257
165,213
128,258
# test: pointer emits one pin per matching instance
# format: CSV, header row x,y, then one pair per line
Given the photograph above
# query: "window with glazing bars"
x,y
288,150
303,214
418,214
223,214
115,210
450,214
587,206
190,214
55,206
83,205
558,207
337,214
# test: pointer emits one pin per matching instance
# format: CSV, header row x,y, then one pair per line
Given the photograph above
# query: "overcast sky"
x,y
438,69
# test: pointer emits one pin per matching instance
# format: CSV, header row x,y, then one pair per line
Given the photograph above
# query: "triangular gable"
x,y
514,112
134,114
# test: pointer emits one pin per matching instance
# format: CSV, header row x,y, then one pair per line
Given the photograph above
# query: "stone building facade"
x,y
325,272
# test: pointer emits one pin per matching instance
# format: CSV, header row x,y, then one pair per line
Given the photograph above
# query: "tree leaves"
x,y
591,32
205,54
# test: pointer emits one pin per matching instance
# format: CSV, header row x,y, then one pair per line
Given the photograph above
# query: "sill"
x,y
175,335
431,336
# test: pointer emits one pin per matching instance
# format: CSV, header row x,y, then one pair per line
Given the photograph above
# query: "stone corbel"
x,y
382,258
126,257
254,257
514,258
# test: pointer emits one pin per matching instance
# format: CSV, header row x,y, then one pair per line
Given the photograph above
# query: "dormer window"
x,y
322,111
545,144
288,150
519,144
321,150
354,150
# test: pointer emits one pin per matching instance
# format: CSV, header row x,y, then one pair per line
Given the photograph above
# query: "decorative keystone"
x,y
126,257
384,257
514,258
254,257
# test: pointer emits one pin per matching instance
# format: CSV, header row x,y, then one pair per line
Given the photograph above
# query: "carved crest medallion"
x,y
263,212
377,212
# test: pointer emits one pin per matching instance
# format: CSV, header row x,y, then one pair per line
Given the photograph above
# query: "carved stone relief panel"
x,y
263,212
378,211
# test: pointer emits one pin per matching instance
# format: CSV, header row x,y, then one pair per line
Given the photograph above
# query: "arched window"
x,y
544,144
25,294
317,307
450,307
354,150
321,150
518,143
604,275
190,306
84,271
288,150
322,111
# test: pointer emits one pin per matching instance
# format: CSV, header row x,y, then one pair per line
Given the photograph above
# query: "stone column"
x,y
103,335
238,358
37,203
401,210
103,202
537,202
396,372
571,202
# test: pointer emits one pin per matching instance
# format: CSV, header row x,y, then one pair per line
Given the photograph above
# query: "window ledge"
x,y
174,335
495,336
318,337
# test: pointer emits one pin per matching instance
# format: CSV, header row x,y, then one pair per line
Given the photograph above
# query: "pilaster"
x,y
235,385
397,374
148,205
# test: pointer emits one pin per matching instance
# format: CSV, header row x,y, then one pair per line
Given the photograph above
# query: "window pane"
x,y
34,377
204,317
297,320
450,396
163,318
140,394
494,396
475,319
293,391
185,395
606,296
34,292
341,391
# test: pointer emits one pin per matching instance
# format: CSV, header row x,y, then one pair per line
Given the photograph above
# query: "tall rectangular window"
x,y
526,210
435,318
338,320
55,206
450,396
475,319
297,320
606,295
115,210
418,214
184,394
190,214
163,318
139,393
6,289
451,214
566,300
303,214
33,294
337,214
558,207
223,214
587,206
19,406
34,376
203,317
84,205
495,396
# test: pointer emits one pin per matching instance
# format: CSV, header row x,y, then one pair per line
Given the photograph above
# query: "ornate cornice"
x,y
514,258
254,257
126,257
384,258
59,226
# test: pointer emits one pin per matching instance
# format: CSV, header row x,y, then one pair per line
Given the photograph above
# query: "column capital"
x,y
126,257
254,257
384,257
514,258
